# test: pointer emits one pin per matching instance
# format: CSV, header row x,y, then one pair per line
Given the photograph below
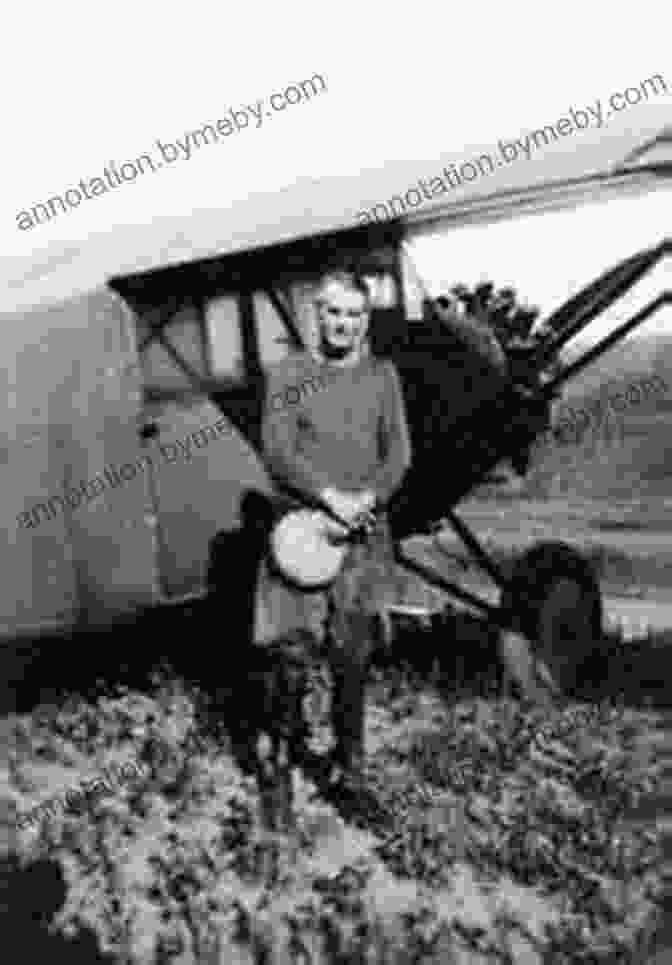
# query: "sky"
x,y
86,86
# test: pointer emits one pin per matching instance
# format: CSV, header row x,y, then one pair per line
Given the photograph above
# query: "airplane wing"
x,y
560,173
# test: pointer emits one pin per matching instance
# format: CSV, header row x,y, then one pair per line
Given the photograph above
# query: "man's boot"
x,y
348,723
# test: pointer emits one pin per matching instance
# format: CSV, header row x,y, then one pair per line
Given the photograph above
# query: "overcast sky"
x,y
550,257
84,85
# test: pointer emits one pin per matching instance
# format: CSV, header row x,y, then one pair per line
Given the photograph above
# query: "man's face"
x,y
342,317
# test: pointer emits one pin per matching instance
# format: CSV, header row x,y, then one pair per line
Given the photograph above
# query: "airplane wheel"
x,y
554,599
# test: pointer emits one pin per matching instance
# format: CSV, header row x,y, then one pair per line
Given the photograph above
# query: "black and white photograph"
x,y
336,486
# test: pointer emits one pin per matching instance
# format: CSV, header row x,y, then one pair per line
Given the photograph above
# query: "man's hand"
x,y
349,506
367,500
346,506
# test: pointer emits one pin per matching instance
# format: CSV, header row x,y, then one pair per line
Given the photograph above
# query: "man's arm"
x,y
279,435
395,440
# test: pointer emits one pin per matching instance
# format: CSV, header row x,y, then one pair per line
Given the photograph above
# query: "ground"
x,y
483,833
488,834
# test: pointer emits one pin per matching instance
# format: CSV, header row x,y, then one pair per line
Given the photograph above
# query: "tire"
x,y
554,600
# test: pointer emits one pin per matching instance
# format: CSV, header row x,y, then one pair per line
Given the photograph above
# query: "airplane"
x,y
118,351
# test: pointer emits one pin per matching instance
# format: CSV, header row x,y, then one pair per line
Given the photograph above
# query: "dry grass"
x,y
459,860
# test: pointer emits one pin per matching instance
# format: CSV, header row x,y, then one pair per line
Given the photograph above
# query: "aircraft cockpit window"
x,y
383,291
274,339
170,346
225,343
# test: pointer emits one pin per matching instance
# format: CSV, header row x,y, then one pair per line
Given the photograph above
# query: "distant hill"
x,y
628,454
635,355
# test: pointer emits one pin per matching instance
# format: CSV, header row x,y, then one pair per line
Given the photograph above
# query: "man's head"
x,y
342,307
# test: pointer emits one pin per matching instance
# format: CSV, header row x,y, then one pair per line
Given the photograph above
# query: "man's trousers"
x,y
341,618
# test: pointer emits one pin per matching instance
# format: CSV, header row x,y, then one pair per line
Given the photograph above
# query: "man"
x,y
344,445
